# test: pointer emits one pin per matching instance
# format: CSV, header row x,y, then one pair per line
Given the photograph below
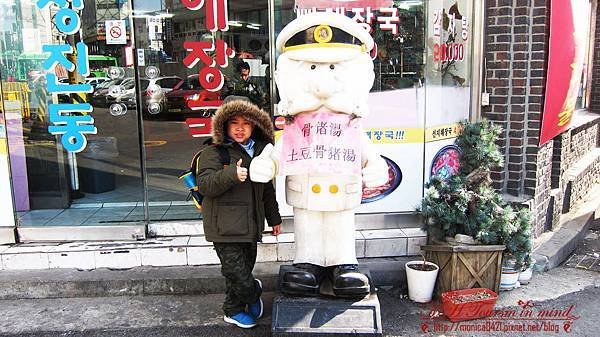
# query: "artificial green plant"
x,y
466,203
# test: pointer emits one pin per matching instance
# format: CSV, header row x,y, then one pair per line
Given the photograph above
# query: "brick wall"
x,y
516,61
583,170
516,49
543,187
556,176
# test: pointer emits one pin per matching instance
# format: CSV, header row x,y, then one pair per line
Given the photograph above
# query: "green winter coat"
x,y
235,211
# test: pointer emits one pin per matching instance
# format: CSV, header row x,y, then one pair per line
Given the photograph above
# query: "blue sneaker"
x,y
256,309
242,319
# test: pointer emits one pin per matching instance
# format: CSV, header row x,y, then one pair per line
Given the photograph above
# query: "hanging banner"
x,y
569,22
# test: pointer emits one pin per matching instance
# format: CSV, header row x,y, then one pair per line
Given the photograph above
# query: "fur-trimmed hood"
x,y
263,127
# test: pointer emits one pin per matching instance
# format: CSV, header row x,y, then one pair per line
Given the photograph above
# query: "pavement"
x,y
182,302
200,315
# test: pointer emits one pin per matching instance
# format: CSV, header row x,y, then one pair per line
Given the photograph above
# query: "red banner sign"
x,y
569,21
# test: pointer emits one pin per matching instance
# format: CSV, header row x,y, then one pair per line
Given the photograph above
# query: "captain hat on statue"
x,y
324,75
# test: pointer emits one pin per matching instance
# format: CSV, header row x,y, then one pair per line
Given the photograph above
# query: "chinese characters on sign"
x,y
70,120
210,75
457,25
326,142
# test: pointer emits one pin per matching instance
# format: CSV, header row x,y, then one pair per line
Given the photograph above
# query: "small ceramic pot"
x,y
421,283
525,276
509,279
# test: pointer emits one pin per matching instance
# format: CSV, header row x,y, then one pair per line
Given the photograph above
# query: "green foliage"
x,y
467,204
479,150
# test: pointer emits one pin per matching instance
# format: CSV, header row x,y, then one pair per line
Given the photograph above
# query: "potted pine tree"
x,y
465,205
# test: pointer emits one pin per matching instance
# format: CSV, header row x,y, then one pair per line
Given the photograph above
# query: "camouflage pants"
x,y
237,262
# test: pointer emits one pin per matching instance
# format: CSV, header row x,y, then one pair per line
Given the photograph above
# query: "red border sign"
x,y
565,66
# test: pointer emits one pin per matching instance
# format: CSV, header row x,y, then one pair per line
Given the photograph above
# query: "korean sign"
x,y
214,55
71,120
366,13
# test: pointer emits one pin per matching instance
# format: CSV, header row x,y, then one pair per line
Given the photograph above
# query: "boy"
x,y
234,208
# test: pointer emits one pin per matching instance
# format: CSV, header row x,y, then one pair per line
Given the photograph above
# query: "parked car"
x,y
125,96
153,89
95,81
154,104
188,90
98,98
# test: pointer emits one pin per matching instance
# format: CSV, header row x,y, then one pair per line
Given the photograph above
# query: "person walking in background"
x,y
247,86
234,208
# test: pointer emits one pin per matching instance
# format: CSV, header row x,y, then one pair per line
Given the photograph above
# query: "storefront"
x,y
105,164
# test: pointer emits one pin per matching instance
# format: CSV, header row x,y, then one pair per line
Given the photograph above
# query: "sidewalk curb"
x,y
65,283
551,253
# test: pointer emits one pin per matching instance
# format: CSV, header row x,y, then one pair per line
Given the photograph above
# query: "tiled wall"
x,y
189,250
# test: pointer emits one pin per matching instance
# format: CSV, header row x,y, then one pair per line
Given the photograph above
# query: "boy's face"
x,y
239,129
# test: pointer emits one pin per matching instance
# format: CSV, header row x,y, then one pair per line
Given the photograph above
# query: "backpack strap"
x,y
223,157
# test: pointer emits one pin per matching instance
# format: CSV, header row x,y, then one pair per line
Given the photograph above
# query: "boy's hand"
x,y
276,230
242,172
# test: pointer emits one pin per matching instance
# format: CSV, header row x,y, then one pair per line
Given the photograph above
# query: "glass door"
x,y
74,153
180,88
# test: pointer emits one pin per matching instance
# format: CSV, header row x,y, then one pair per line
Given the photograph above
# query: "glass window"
x,y
583,96
170,82
144,84
79,152
166,28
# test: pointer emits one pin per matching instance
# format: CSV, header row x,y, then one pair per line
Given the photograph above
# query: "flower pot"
x,y
459,305
420,283
466,266
509,279
525,276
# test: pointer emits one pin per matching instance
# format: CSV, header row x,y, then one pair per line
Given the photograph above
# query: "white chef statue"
x,y
324,75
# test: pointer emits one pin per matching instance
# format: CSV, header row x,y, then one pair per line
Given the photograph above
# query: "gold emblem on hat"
x,y
323,34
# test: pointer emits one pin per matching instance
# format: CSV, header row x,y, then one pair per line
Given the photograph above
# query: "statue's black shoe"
x,y
348,281
304,280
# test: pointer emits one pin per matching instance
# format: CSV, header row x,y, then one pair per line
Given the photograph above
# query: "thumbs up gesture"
x,y
242,172
262,168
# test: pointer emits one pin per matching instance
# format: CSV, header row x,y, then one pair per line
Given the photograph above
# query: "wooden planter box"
x,y
466,266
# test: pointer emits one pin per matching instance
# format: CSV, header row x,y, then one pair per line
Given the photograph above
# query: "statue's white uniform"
x,y
324,230
336,78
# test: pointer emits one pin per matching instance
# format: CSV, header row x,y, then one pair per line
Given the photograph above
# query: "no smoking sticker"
x,y
115,32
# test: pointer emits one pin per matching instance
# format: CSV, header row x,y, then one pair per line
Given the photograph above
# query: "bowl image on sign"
x,y
446,162
394,180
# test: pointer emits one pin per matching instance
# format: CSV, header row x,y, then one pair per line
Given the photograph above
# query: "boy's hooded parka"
x,y
235,211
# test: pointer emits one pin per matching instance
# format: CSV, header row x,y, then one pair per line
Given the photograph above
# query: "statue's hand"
x,y
375,173
262,168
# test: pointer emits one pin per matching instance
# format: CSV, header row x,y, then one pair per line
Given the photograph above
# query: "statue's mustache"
x,y
310,102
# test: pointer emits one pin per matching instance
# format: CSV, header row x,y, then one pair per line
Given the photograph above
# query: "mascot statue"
x,y
324,75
